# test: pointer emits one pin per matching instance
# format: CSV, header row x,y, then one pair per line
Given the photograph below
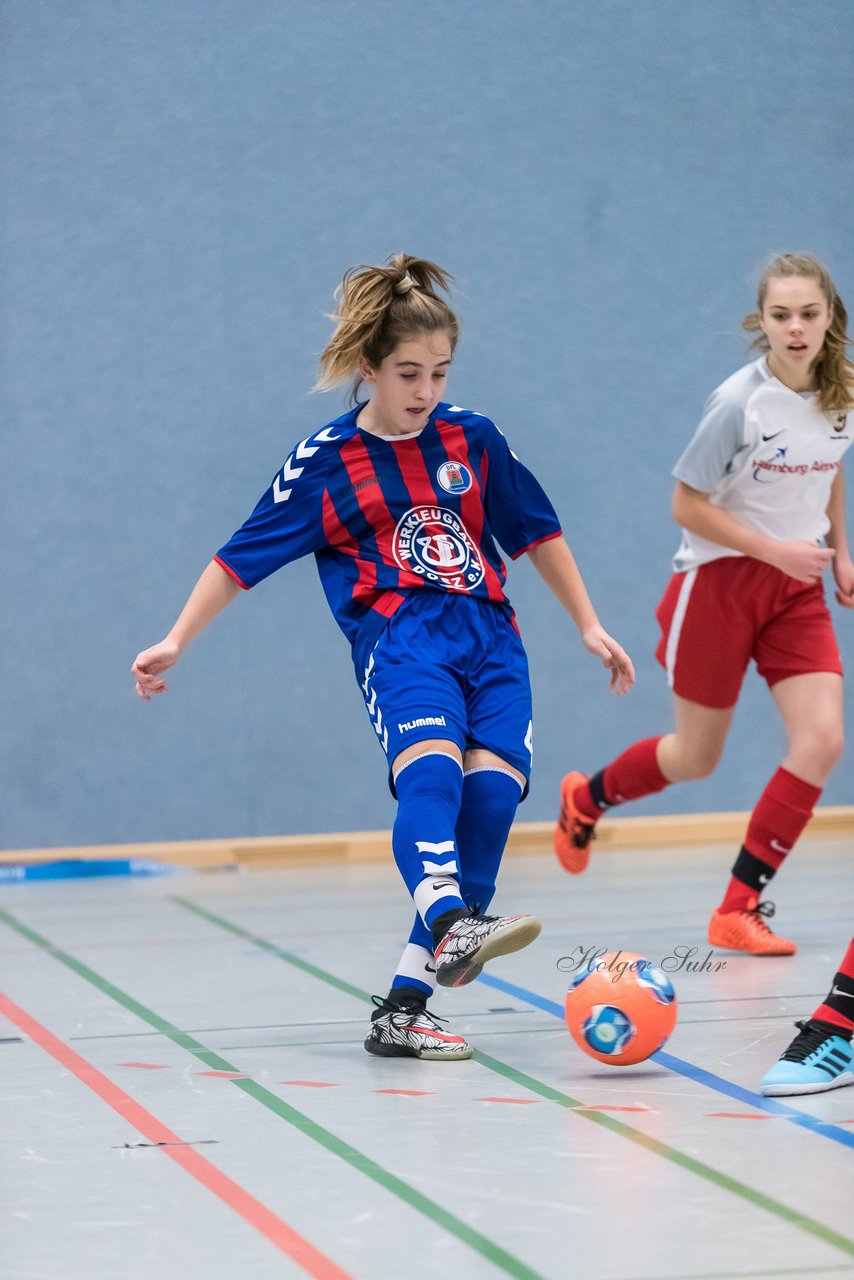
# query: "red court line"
x,y
406,1093
246,1206
605,1107
515,1102
739,1115
312,1084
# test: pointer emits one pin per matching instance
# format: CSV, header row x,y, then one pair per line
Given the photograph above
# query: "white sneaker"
x,y
412,1032
473,940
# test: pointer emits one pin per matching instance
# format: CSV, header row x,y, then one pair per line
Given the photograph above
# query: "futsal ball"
x,y
620,1009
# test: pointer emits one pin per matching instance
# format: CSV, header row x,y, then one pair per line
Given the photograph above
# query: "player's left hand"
x,y
614,657
843,572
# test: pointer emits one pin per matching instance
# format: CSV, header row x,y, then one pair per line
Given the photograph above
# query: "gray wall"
x,y
183,185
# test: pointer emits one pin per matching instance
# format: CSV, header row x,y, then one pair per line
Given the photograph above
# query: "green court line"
x,y
698,1167
723,1180
505,1261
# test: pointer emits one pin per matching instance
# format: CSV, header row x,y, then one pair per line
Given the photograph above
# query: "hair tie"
x,y
404,284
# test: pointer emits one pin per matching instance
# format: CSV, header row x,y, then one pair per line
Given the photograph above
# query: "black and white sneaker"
x,y
411,1031
473,940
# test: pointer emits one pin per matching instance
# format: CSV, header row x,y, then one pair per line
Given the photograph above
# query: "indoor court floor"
x,y
185,1092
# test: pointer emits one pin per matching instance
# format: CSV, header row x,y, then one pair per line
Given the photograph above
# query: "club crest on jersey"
x,y
454,477
839,421
434,543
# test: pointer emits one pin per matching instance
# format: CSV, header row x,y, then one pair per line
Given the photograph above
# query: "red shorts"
x,y
717,617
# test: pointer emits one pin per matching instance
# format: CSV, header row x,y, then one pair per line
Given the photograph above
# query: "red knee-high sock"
x,y
838,1006
633,774
784,809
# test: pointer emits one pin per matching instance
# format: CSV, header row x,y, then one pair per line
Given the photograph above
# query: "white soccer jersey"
x,y
767,455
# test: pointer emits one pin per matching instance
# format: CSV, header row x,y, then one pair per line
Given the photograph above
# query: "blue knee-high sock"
x,y
429,791
491,796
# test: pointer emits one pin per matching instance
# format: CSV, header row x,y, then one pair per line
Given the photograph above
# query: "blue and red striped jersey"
x,y
388,516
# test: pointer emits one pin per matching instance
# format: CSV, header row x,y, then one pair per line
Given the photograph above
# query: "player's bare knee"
x,y
699,763
821,750
836,748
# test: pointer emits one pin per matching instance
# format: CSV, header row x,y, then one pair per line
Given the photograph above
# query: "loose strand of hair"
x,y
833,371
363,299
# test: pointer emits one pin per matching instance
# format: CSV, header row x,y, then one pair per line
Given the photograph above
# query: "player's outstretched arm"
x,y
556,565
837,538
213,591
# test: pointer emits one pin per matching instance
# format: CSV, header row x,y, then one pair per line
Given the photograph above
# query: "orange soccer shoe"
x,y
747,931
574,830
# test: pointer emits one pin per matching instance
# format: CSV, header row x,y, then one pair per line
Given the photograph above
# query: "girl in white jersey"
x,y
760,496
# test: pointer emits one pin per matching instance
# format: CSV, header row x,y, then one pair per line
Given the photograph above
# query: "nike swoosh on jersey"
x,y
773,435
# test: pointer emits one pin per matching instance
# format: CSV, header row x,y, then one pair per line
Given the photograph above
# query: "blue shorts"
x,y
453,667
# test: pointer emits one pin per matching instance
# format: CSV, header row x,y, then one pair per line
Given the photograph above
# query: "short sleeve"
x,y
287,522
717,440
518,511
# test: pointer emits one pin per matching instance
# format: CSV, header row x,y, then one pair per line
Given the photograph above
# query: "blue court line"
x,y
698,1074
76,868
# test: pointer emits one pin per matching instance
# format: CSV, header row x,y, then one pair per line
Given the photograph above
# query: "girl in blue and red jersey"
x,y
760,496
404,501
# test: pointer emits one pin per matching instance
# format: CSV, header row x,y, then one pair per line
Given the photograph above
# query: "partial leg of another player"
x,y
811,709
820,1057
691,751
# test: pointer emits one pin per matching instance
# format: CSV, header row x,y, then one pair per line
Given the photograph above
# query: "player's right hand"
x,y
803,561
149,666
613,656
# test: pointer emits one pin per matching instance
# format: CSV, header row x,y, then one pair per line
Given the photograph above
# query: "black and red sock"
x,y
838,1005
632,775
784,809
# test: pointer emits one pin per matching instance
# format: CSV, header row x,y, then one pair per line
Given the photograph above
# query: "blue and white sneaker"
x,y
819,1058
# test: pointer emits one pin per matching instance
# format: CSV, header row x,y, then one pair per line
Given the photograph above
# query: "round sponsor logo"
x,y
454,477
434,543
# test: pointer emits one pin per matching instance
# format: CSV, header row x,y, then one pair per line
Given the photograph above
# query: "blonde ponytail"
x,y
832,371
380,307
